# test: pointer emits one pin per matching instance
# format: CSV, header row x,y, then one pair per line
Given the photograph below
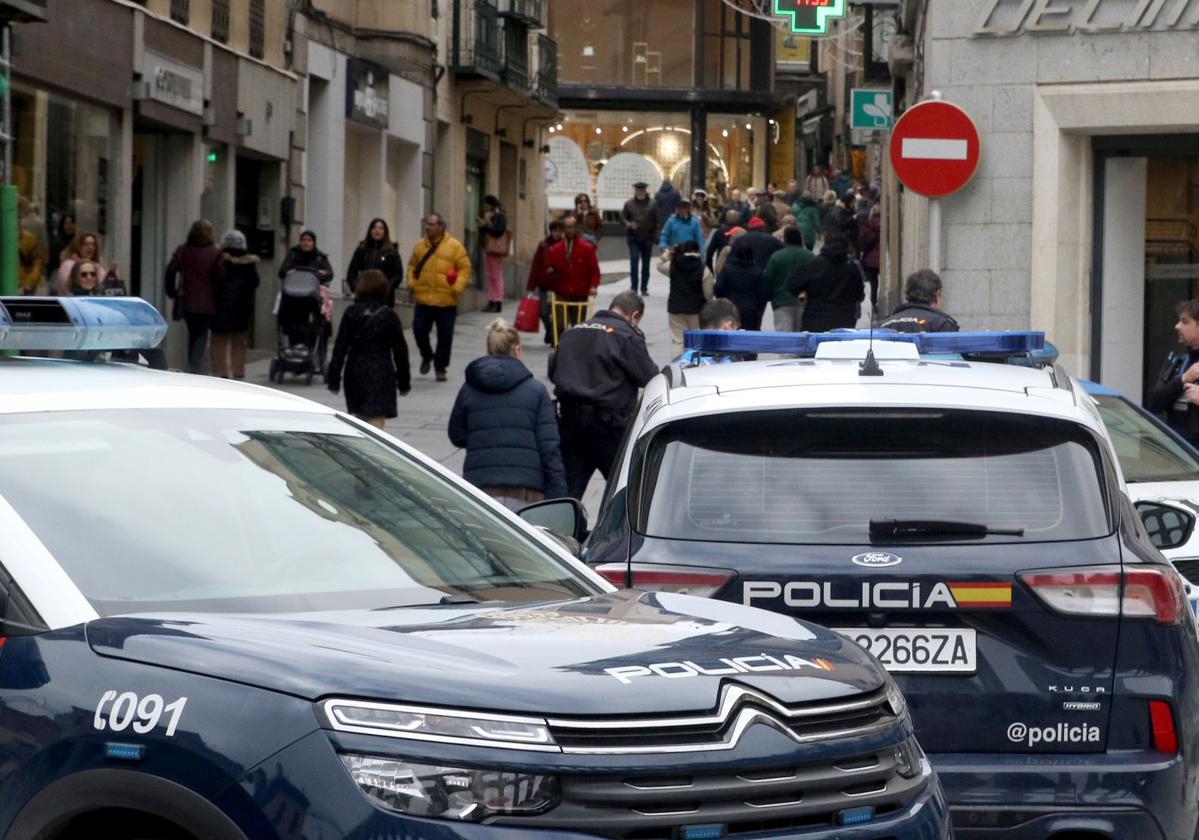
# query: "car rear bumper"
x,y
1113,795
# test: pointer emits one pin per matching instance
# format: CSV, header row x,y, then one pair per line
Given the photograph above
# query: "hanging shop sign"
x,y
809,17
367,96
172,83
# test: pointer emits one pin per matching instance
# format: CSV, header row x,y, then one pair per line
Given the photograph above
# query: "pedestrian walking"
x,y
305,256
371,349
807,218
781,206
193,276
723,257
573,270
639,216
377,251
870,247
816,184
234,307
691,284
85,246
742,282
681,227
504,418
497,241
591,223
666,201
720,237
793,192
597,372
438,273
833,286
921,311
839,182
1176,392
764,210
788,221
786,309
761,242
539,280
741,207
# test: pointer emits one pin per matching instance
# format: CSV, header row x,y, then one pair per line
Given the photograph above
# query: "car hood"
x,y
621,652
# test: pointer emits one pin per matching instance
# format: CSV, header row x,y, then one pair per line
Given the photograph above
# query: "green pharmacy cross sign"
x,y
809,17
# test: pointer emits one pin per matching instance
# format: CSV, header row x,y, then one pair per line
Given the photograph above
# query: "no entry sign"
x,y
934,148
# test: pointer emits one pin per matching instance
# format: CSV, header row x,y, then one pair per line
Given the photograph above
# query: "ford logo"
x,y
876,560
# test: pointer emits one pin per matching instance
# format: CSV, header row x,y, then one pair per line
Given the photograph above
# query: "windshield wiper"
x,y
913,528
444,601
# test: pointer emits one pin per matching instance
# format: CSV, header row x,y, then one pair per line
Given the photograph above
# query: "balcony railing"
x,y
516,57
477,46
545,56
528,12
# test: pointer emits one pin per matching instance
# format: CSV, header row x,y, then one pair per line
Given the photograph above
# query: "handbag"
x,y
528,315
497,246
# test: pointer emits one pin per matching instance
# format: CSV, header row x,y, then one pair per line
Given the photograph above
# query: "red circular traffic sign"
x,y
934,148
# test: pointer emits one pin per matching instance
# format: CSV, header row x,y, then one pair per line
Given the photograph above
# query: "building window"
x,y
220,20
179,10
258,28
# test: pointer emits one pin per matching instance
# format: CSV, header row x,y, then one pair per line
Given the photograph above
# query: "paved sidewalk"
x,y
424,414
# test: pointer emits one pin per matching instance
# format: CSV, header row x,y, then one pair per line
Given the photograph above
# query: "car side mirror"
x,y
563,517
1167,526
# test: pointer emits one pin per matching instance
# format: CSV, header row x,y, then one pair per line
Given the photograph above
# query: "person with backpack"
x,y
371,349
497,241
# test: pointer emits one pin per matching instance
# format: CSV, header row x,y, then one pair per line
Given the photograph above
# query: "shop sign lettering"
x,y
368,98
1002,18
174,84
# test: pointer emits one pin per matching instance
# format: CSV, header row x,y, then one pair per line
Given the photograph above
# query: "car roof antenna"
x,y
870,367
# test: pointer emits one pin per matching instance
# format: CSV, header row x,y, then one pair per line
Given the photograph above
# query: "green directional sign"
x,y
871,109
809,17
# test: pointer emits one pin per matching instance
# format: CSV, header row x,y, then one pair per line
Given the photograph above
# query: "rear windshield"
x,y
820,477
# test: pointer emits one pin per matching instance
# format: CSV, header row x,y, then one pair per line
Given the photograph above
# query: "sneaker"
x,y
441,377
645,292
425,365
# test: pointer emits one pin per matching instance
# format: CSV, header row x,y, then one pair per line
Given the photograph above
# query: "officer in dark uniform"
x,y
921,311
598,369
1176,393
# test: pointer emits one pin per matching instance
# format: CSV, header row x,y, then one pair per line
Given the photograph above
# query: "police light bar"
x,y
805,344
79,323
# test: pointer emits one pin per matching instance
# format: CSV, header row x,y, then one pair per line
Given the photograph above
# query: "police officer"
x,y
1177,390
921,311
597,371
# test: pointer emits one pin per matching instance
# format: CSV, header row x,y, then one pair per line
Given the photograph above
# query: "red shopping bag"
x,y
528,315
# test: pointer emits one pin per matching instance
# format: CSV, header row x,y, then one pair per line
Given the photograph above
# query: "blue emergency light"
x,y
806,343
79,323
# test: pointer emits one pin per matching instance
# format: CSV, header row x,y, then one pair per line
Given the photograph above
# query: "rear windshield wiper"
x,y
914,528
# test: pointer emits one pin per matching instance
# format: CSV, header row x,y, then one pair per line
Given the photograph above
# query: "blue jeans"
x,y
639,255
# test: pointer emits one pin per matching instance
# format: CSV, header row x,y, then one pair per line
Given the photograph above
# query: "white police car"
x,y
230,613
967,522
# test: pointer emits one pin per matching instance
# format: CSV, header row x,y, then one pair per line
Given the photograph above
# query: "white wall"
x,y
1123,330
325,160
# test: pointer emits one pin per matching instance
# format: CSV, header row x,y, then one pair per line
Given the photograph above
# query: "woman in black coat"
x,y
742,282
307,255
372,338
834,287
505,420
379,252
234,306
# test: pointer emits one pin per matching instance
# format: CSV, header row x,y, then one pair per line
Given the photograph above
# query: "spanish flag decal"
x,y
992,595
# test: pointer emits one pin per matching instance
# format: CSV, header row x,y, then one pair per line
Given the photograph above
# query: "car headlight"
x,y
909,759
896,700
447,726
450,793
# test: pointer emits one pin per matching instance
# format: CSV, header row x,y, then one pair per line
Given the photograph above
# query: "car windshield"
x,y
232,511
1146,451
821,477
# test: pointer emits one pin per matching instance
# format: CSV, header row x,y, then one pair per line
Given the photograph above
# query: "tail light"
x,y
1146,592
686,580
1161,719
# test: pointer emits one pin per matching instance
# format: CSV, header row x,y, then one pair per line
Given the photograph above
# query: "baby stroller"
x,y
303,329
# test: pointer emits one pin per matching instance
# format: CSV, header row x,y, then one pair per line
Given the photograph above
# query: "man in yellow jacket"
x,y
438,272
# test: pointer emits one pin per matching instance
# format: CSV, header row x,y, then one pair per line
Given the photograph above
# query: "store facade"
x,y
1083,217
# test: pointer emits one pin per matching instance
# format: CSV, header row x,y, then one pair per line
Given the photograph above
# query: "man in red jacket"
x,y
573,272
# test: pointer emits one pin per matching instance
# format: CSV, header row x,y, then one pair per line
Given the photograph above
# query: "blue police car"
x,y
965,521
231,613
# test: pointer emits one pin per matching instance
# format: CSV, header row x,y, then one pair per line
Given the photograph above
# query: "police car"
x,y
966,522
231,613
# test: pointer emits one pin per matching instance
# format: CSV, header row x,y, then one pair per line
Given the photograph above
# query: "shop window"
x,y
220,20
180,10
258,28
638,47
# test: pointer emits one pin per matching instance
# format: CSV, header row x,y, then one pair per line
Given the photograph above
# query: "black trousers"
x,y
197,340
589,443
423,321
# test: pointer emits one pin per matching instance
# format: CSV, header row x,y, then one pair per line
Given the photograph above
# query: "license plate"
x,y
919,650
